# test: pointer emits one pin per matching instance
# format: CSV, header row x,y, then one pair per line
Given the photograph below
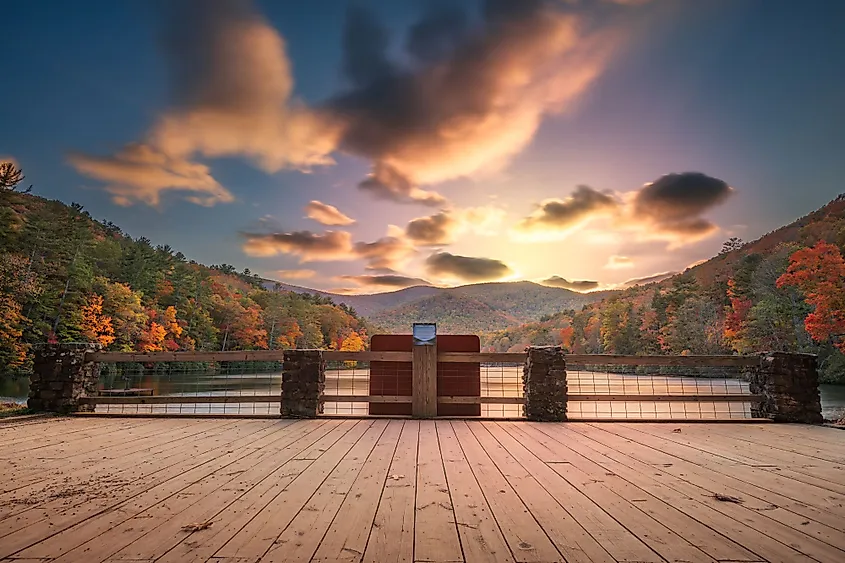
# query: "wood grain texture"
x,y
404,491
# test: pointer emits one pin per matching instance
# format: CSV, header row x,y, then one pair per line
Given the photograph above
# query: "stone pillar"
x,y
61,376
789,385
544,382
303,383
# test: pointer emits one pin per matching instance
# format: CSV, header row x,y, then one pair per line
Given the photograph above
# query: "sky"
x,y
371,145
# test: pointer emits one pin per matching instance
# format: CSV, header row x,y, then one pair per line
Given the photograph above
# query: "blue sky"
x,y
611,95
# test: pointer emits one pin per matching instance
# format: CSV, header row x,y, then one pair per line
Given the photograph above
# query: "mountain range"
x,y
467,309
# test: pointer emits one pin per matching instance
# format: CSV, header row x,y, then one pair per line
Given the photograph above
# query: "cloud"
x,y
648,279
465,267
232,90
387,253
293,274
668,209
442,228
557,218
671,206
435,230
310,247
574,285
470,97
387,280
384,182
141,173
616,262
326,214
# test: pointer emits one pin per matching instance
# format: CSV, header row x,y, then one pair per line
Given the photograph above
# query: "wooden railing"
x,y
573,360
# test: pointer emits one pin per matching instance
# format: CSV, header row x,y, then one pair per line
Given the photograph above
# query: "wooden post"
x,y
424,402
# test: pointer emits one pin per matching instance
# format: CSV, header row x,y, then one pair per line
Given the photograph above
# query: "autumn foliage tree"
x,y
95,325
819,272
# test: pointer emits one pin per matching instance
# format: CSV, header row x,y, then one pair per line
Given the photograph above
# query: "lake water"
x,y
496,381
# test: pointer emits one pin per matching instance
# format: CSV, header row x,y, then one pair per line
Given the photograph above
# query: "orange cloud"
x,y
310,247
326,214
466,268
619,262
293,274
141,173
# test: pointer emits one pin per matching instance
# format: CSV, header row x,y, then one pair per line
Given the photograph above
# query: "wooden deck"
x,y
239,491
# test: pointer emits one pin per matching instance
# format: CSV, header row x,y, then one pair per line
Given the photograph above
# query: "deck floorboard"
x,y
92,490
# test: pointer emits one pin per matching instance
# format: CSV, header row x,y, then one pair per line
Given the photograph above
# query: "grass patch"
x,y
12,409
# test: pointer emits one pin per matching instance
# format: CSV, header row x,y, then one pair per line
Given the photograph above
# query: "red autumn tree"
x,y
819,272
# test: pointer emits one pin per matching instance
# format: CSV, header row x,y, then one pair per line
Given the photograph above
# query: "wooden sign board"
x,y
455,379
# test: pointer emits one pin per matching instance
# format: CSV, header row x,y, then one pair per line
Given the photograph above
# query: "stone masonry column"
x,y
789,385
544,383
303,383
61,376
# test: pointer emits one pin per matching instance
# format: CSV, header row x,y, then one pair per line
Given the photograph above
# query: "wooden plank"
x,y
302,537
526,539
671,545
611,535
424,378
481,538
228,522
482,400
180,399
677,361
483,357
153,357
155,530
257,537
346,539
84,470
435,532
771,485
199,462
391,538
729,398
338,356
569,537
762,517
815,472
366,399
650,477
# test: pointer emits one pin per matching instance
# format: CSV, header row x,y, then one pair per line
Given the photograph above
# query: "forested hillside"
x,y
785,291
66,277
484,307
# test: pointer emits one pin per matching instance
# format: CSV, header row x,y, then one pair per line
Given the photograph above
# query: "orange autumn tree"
x,y
819,272
95,325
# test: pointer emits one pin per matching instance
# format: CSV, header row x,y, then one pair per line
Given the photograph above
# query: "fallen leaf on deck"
x,y
677,430
197,526
726,498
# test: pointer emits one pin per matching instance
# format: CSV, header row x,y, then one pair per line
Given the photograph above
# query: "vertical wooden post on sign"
x,y
424,401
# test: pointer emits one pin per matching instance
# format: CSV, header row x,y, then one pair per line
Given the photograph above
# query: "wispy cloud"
x,y
310,247
293,274
326,214
616,262
141,173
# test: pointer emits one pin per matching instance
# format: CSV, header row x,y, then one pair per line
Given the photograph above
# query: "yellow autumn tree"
x,y
352,343
96,326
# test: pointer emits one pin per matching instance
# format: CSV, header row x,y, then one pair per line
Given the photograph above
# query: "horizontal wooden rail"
x,y
337,356
367,398
481,400
483,357
666,398
184,399
675,361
